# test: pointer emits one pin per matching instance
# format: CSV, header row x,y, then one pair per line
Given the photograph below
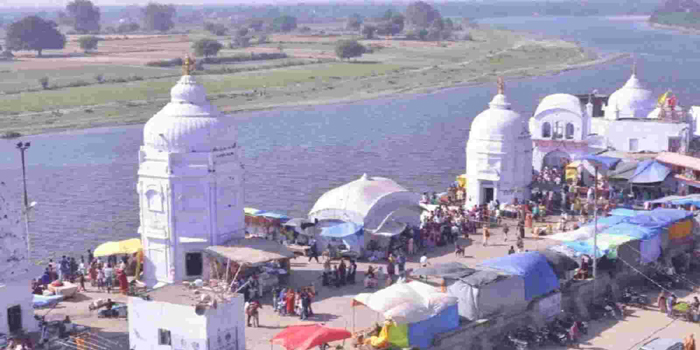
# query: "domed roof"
x,y
354,200
497,121
632,100
560,101
188,123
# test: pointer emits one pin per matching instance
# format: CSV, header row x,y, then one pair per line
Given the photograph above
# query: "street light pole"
x,y
22,147
595,230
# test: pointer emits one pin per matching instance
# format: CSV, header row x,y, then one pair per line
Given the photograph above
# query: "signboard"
x,y
550,306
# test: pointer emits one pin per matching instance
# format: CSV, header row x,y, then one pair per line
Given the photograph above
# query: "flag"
x,y
662,98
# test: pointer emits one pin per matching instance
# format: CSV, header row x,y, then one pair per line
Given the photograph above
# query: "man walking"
x,y
313,252
252,313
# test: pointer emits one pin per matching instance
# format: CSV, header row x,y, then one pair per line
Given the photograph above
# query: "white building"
x,y
499,155
174,318
563,127
16,272
190,184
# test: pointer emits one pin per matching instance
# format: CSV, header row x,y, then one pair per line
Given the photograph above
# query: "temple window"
x,y
546,130
569,131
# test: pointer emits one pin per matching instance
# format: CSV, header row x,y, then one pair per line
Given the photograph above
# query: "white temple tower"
x,y
190,184
499,154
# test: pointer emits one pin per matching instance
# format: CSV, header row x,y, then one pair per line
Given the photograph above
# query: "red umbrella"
x,y
307,336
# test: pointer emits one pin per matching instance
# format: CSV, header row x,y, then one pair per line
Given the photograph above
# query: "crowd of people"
x,y
104,275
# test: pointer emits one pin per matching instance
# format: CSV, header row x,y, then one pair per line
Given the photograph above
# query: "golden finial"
x,y
188,65
501,85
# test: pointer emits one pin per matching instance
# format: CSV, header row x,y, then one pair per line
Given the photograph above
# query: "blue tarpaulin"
x,y
649,171
532,267
632,230
623,212
608,221
660,217
606,162
650,249
271,215
421,334
350,233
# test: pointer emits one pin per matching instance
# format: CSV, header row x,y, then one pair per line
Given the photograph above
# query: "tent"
x,y
584,232
650,249
607,221
607,245
451,270
604,161
487,292
624,170
538,276
561,263
660,217
624,212
419,310
632,230
350,233
649,171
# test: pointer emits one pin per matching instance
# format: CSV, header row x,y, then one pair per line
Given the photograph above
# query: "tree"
x,y
84,15
345,49
420,15
284,23
159,17
128,28
368,31
88,43
215,28
392,26
206,47
354,22
256,24
35,34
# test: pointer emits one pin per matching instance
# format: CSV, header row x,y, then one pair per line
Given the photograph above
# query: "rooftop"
x,y
181,294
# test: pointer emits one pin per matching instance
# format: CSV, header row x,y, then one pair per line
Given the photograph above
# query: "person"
x,y
81,278
123,282
574,334
487,234
91,257
289,299
36,288
342,269
327,265
520,243
695,309
401,261
511,250
505,232
336,276
109,277
689,342
313,251
352,271
411,248
252,313
521,228
100,280
46,277
670,302
390,267
305,301
661,302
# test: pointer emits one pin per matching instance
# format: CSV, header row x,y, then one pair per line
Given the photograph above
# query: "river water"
x,y
84,181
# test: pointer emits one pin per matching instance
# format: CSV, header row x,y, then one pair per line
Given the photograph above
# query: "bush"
x,y
165,63
348,49
99,78
44,82
88,43
206,47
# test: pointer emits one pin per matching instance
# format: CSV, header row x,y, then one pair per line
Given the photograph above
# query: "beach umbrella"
x,y
305,337
129,246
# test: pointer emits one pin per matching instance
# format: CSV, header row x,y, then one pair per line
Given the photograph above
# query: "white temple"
x,y
190,184
499,154
633,120
16,272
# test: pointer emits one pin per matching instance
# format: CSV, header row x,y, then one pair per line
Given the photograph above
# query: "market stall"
x,y
242,258
266,224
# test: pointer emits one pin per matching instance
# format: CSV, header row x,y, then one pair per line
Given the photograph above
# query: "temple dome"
x,y
499,121
632,100
188,123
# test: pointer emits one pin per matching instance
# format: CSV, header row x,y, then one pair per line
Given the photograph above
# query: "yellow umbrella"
x,y
129,246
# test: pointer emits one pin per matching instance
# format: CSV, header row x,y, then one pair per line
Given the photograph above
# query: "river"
x,y
84,181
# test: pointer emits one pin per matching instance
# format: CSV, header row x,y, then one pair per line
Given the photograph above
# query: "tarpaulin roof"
x,y
632,230
623,212
649,171
607,162
407,302
660,217
251,251
451,270
607,221
341,230
560,263
578,234
607,245
624,170
679,160
303,337
271,215
481,277
538,275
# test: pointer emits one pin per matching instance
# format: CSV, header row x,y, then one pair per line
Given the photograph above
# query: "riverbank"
x,y
395,67
683,30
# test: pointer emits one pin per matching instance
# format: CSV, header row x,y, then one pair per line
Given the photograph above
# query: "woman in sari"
x,y
123,282
290,302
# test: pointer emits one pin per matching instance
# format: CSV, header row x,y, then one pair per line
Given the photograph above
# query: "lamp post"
x,y
22,147
595,229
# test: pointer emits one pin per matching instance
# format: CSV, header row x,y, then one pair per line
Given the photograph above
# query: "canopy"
x,y
649,171
533,267
271,215
251,251
252,211
341,230
624,170
560,263
604,161
632,230
679,160
607,221
390,228
486,293
482,278
660,217
584,232
451,270
624,212
305,337
297,222
129,246
607,245
407,302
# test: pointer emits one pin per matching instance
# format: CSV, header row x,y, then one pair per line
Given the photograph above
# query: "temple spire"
x,y
500,85
188,65
634,66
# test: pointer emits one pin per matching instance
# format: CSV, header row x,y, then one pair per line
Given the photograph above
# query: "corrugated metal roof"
x,y
679,160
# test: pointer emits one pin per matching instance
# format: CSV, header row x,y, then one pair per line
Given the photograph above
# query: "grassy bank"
x,y
394,67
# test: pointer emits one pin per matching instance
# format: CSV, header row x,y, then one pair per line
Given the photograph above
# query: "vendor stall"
x,y
242,258
266,224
